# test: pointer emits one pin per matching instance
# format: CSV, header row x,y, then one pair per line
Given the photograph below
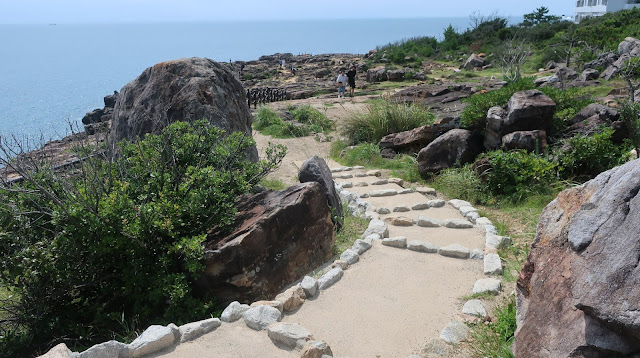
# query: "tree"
x,y
539,16
451,40
511,56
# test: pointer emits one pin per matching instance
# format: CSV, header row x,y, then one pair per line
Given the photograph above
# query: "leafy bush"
x,y
475,114
385,117
630,114
306,119
609,30
569,102
414,47
118,240
493,340
461,183
517,175
589,156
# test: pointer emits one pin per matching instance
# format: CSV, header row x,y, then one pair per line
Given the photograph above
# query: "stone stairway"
x,y
396,293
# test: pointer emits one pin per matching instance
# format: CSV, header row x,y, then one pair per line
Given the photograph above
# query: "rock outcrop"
x,y
526,111
187,89
100,118
280,237
579,291
413,140
315,169
457,146
532,141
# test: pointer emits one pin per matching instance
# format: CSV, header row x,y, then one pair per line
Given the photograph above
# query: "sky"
x,y
107,11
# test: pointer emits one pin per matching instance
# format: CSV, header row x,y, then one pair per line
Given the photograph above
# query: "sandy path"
x,y
390,303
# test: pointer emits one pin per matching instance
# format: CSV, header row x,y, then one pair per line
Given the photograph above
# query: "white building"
x,y
592,8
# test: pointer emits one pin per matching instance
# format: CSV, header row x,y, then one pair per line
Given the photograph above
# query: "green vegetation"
x,y
118,244
352,228
304,121
368,155
462,183
385,117
588,156
493,339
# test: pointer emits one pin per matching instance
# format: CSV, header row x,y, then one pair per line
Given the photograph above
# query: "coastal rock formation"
x,y
187,89
414,140
315,169
526,111
99,119
473,62
579,292
532,141
377,74
280,236
457,146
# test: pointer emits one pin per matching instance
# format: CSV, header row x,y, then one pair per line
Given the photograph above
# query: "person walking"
x,y
351,79
342,83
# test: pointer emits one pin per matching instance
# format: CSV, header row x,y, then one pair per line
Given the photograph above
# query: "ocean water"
x,y
51,75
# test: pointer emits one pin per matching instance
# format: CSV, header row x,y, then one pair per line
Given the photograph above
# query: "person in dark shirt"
x,y
351,79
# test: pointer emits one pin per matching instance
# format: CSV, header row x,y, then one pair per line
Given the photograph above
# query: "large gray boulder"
x,y
526,111
187,89
579,291
532,141
315,169
473,61
604,112
629,46
457,146
415,139
278,238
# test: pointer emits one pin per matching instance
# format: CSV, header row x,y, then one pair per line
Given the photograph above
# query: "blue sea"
x,y
52,74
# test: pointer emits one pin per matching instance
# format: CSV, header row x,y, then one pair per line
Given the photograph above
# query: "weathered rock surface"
x,y
292,298
110,349
279,238
456,251
361,246
309,285
492,264
579,291
487,285
193,330
457,146
458,224
378,227
424,221
422,246
455,332
59,351
532,141
350,256
526,111
153,339
473,62
316,349
315,169
399,221
261,317
187,89
233,312
383,192
413,140
328,279
275,304
474,308
288,334
398,241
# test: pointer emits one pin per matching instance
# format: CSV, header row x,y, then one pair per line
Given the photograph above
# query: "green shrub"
x,y
569,102
119,238
493,340
306,119
461,183
517,175
414,47
474,116
630,114
385,117
266,117
589,156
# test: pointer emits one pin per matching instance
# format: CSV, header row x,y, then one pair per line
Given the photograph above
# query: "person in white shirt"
x,y
342,84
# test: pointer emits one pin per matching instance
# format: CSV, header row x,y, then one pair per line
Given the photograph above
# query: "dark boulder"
x,y
579,291
589,74
473,62
526,111
457,146
395,75
187,89
566,73
280,237
603,61
94,116
529,110
315,169
413,140
532,141
110,100
377,74
604,112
